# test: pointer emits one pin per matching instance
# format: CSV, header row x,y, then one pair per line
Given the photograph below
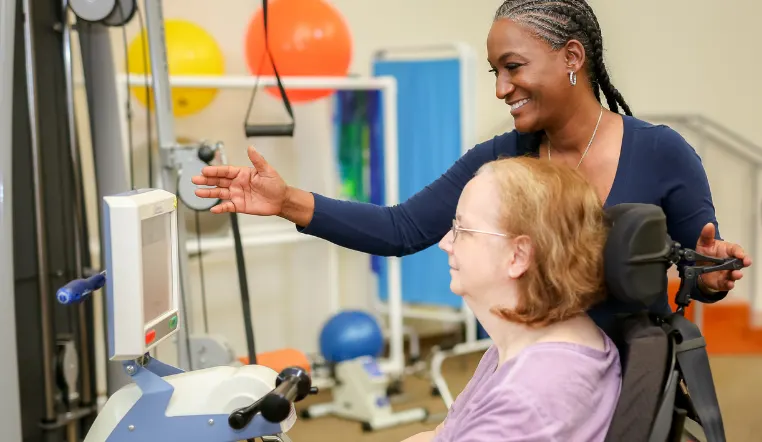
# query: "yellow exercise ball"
x,y
190,51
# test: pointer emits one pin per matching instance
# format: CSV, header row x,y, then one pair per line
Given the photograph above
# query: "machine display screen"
x,y
157,266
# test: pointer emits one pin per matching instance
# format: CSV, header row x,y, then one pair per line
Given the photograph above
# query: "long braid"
x,y
557,22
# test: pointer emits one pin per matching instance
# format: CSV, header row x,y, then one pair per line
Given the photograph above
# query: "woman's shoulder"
x,y
544,367
657,139
509,144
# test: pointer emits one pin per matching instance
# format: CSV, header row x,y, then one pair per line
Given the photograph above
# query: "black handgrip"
x,y
206,153
292,385
269,130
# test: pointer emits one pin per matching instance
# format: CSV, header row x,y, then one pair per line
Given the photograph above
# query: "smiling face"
x,y
483,258
529,75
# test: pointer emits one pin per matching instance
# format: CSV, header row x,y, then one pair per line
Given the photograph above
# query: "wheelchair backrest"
x,y
656,353
635,253
636,273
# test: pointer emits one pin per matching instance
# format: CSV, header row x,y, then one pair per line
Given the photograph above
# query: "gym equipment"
x,y
190,51
110,12
671,386
10,419
175,160
350,343
172,154
361,393
351,334
305,38
282,358
58,388
143,303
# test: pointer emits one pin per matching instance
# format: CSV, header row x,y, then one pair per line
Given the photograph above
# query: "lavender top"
x,y
550,391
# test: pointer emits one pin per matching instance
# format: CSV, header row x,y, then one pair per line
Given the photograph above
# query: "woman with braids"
x,y
547,58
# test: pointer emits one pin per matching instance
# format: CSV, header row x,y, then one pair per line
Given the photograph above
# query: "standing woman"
x,y
547,59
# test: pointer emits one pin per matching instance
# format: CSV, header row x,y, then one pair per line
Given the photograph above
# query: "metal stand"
x,y
106,134
39,216
10,418
100,81
172,157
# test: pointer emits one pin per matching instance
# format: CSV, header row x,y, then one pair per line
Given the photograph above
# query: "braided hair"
x,y
557,22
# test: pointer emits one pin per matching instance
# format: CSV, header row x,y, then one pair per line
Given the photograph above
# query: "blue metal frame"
x,y
147,420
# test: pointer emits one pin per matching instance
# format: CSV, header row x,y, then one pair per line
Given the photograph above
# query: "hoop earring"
x,y
572,78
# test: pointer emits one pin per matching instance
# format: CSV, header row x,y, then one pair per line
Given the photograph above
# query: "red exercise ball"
x,y
307,38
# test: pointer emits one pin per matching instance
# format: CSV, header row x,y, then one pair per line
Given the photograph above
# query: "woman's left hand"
x,y
709,246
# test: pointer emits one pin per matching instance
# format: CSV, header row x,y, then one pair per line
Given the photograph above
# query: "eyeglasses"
x,y
456,228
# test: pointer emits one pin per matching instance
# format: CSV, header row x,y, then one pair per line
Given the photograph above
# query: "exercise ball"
x,y
306,38
349,335
190,51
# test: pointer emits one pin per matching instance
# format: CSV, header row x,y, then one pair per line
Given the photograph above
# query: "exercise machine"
x,y
175,161
362,393
222,403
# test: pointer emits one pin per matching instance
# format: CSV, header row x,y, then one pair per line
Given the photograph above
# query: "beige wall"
x,y
664,56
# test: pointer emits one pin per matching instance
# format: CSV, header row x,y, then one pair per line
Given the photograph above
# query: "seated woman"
x,y
526,253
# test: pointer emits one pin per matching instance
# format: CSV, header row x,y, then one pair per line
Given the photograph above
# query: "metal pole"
x,y
106,134
84,341
10,418
39,219
165,127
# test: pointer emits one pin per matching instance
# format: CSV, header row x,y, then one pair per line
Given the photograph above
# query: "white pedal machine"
x,y
361,393
217,404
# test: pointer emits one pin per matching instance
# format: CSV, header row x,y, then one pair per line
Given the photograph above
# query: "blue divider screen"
x,y
429,125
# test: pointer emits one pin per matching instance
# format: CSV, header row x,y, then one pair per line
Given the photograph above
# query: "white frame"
x,y
395,363
124,215
467,56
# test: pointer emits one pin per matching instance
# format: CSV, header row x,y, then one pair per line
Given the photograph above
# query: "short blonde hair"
x,y
562,215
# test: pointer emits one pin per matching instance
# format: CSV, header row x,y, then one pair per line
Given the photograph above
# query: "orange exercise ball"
x,y
306,38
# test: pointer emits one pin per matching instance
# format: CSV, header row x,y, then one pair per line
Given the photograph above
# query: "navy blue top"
x,y
656,166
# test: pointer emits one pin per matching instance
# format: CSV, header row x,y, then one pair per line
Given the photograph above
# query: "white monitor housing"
x,y
142,271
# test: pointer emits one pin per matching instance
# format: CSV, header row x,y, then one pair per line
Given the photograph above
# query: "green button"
x,y
173,322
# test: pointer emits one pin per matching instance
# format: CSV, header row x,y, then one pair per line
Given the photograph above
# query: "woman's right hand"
x,y
257,190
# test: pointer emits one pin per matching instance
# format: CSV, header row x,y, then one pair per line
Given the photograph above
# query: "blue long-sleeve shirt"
x,y
656,166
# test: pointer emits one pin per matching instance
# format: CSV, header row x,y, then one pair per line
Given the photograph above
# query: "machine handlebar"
x,y
292,385
80,289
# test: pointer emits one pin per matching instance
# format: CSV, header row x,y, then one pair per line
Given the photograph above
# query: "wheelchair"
x,y
667,393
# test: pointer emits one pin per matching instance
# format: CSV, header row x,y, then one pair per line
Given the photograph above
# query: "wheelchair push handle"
x,y
689,274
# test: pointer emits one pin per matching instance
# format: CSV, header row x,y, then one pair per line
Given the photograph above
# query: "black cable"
x,y
240,261
130,141
244,287
282,90
256,87
144,34
184,314
201,271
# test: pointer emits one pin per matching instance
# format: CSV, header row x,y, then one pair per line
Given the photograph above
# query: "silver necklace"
x,y
588,144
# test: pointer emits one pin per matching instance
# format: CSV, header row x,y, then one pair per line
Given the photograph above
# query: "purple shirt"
x,y
550,391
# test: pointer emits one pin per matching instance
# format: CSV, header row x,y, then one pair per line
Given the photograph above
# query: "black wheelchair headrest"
x,y
635,255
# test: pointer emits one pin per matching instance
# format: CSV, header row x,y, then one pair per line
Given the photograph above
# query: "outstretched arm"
x,y
400,230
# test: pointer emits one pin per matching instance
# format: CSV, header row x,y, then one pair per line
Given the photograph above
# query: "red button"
x,y
150,336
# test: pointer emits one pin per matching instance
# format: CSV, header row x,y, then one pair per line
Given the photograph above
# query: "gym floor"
x,y
738,380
